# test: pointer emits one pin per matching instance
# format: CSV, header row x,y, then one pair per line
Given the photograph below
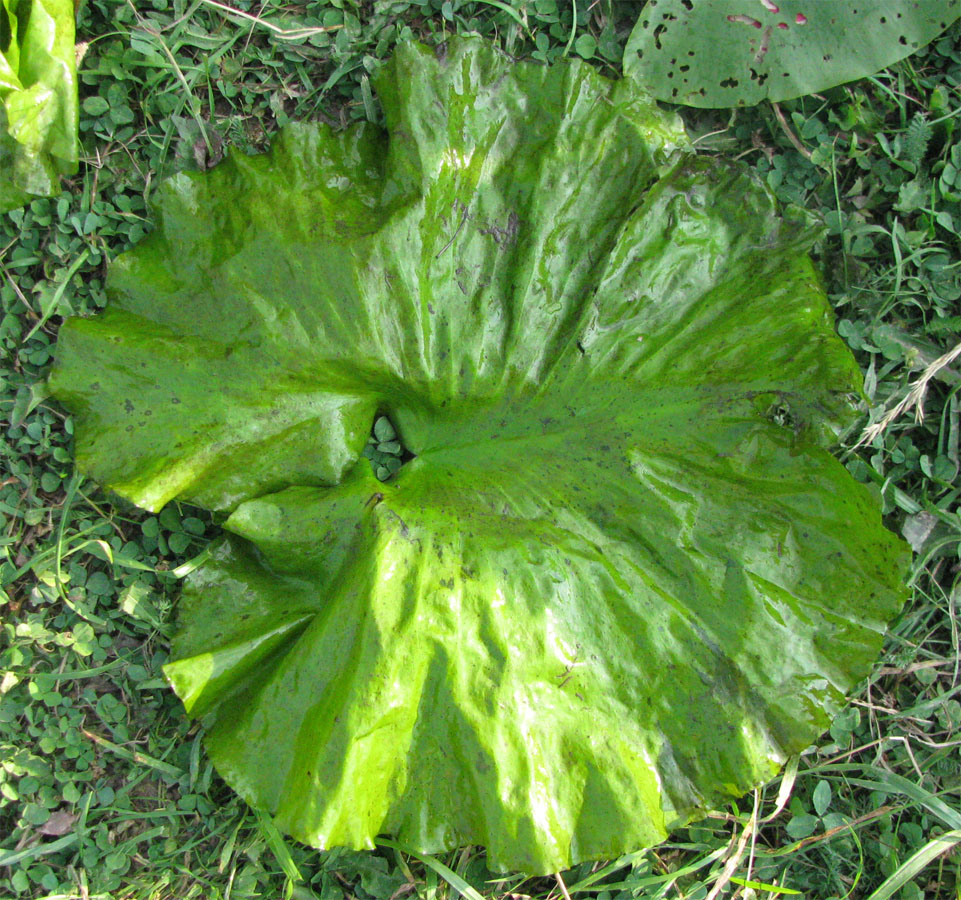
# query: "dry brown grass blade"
x,y
913,399
734,860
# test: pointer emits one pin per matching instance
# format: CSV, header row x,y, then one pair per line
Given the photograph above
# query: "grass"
x,y
104,787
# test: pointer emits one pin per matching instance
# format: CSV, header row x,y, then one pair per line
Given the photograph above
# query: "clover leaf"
x,y
38,99
617,576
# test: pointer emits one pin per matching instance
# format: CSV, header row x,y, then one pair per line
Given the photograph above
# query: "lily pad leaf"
x,y
38,99
617,577
721,53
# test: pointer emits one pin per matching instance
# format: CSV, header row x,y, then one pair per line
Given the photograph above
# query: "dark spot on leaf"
x,y
128,405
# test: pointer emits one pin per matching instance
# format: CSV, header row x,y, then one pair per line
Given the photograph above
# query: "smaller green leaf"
x,y
178,542
801,826
170,519
382,473
724,53
95,106
393,464
193,525
392,447
99,583
586,46
822,797
383,430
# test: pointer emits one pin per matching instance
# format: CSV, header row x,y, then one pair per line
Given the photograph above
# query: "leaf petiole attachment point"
x,y
384,450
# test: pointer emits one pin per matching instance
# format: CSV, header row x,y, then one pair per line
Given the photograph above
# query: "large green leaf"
x,y
621,580
38,99
720,53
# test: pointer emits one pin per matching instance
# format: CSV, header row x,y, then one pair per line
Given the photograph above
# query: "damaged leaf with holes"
x,y
617,578
721,53
38,99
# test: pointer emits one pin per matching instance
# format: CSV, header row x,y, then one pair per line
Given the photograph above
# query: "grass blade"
x,y
913,865
448,874
275,840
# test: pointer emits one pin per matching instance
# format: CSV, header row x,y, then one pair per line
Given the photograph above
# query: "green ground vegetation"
x,y
105,790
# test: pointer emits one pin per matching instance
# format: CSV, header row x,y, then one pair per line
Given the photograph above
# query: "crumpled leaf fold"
x,y
38,99
621,579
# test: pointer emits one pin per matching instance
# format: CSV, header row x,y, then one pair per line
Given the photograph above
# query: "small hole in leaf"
x,y
903,41
884,21
729,83
657,35
688,4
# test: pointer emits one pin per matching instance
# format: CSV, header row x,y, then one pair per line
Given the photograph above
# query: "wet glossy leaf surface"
x,y
619,577
38,98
